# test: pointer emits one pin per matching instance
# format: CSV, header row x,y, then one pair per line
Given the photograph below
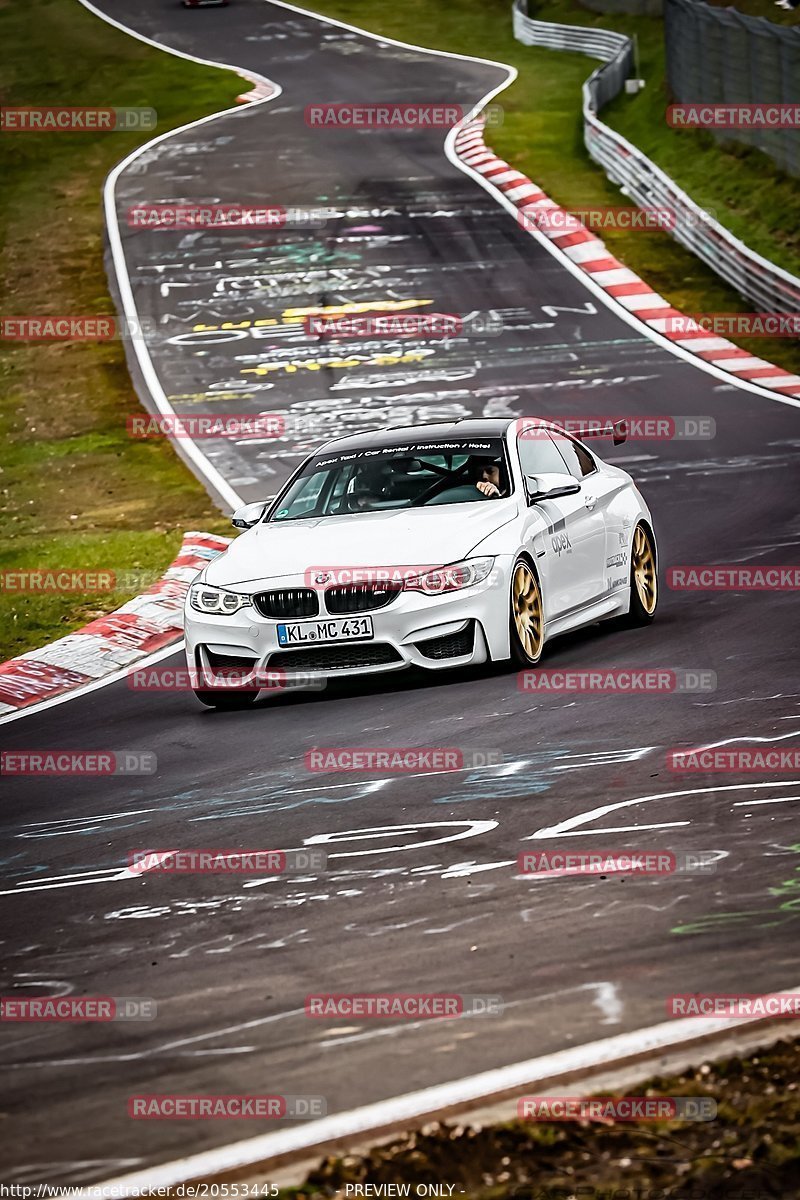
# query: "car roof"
x,y
398,435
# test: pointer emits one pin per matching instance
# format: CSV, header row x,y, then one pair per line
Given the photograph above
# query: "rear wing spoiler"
x,y
618,430
592,427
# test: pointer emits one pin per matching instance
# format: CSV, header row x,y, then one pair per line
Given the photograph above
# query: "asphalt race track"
x,y
421,891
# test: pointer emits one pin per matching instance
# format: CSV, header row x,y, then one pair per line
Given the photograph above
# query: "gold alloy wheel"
x,y
526,603
644,570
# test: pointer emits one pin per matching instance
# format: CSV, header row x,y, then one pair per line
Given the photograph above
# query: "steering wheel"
x,y
440,485
466,492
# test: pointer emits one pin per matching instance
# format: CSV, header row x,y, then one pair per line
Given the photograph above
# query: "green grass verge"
x,y
75,490
542,135
749,195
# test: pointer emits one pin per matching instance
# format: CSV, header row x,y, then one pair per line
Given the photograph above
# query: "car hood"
x,y
409,537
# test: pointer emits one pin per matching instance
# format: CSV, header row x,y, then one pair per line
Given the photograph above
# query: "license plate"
x,y
345,629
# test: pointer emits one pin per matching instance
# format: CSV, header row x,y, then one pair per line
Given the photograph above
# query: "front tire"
x,y
526,615
644,577
217,698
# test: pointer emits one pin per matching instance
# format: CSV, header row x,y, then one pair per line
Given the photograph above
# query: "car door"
x,y
604,488
569,550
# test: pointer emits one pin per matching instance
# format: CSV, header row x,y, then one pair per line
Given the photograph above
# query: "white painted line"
x,y
478,161
622,829
242,72
390,41
615,275
586,252
696,344
88,653
643,300
472,828
157,656
605,998
657,173
569,823
742,364
428,1102
205,469
464,129
545,202
525,189
568,258
755,737
772,800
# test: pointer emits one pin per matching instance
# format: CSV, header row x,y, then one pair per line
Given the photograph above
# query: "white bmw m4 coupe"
x,y
431,546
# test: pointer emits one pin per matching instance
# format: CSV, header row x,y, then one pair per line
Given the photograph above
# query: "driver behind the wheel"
x,y
491,477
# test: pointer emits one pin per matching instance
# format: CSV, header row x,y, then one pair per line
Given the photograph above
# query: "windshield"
x,y
377,478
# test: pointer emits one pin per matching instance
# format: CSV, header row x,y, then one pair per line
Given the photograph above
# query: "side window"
x,y
579,461
538,454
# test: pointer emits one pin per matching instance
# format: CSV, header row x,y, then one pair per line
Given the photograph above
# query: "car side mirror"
x,y
248,515
550,486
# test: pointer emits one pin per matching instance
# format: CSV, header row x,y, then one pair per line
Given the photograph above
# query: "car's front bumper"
x,y
431,632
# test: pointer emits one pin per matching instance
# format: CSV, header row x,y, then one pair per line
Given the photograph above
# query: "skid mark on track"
x,y
71,1170
225,943
788,892
71,826
535,914
176,1047
380,930
471,867
628,907
316,897
456,924
516,778
536,773
604,993
750,700
179,908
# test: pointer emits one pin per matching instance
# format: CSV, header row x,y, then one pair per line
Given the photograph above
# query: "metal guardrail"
x,y
767,286
716,55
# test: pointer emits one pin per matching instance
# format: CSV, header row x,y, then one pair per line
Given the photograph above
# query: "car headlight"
x,y
450,579
205,598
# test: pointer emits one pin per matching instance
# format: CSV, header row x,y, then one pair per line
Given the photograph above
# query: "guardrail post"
x,y
760,281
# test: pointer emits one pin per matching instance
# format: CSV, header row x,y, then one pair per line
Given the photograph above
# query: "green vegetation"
x,y
748,194
542,135
75,490
750,1149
